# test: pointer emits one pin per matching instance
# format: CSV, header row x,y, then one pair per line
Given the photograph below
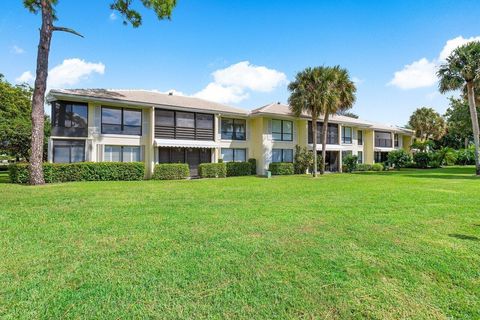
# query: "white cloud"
x,y
17,50
113,16
26,77
419,74
422,73
232,84
72,71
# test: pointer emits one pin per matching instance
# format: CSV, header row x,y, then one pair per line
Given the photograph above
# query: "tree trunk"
x,y
476,130
324,142
38,99
314,141
466,142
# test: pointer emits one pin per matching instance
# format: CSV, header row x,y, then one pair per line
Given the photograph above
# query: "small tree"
x,y
303,160
399,158
350,163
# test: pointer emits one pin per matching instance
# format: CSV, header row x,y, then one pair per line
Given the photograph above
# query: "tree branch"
x,y
66,30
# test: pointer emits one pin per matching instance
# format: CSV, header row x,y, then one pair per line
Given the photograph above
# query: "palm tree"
x,y
342,92
321,91
462,71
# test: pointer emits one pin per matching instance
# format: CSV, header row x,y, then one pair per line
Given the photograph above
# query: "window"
x,y
360,137
282,155
360,156
234,155
395,140
347,135
122,154
121,121
68,151
171,124
380,156
233,129
383,139
332,133
69,119
282,130
346,154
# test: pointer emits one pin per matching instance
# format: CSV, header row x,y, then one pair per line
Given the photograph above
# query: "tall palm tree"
x,y
462,71
342,91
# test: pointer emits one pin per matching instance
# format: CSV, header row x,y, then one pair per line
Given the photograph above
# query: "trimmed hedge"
x,y
171,171
81,171
281,168
253,164
364,167
377,167
212,170
235,169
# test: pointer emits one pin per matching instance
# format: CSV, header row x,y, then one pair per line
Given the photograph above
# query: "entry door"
x,y
193,160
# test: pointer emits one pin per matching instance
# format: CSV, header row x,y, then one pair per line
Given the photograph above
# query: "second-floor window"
x,y
332,133
233,129
282,130
383,139
395,140
360,137
69,119
347,135
121,121
170,124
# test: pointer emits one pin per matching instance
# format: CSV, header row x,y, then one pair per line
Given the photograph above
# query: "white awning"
x,y
330,147
185,143
379,149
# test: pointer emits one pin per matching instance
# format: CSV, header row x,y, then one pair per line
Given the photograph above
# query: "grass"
x,y
372,245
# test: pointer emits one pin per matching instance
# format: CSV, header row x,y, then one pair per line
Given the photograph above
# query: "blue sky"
x,y
205,48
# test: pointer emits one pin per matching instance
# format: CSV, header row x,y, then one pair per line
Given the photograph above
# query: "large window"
x,y
233,129
121,121
282,155
332,133
383,139
380,157
122,154
69,119
360,156
282,130
360,137
347,135
171,124
234,155
395,140
68,151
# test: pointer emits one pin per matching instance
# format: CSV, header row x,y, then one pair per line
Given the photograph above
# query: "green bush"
x,y
81,171
281,168
212,170
235,169
350,162
253,164
421,159
364,167
171,171
399,158
303,160
466,156
377,167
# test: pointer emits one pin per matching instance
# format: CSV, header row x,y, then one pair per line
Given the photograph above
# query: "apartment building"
x,y
98,125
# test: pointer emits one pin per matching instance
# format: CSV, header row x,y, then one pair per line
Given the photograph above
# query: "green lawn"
x,y
376,245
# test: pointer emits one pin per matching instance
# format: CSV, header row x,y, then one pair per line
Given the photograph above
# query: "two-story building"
x,y
133,125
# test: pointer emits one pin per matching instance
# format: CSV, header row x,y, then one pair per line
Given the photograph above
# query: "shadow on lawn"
x,y
4,177
449,173
463,237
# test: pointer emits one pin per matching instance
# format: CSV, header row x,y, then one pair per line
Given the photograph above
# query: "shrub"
x,y
399,158
303,160
364,167
235,169
350,163
377,167
212,170
444,156
281,168
421,159
253,164
466,156
171,171
81,171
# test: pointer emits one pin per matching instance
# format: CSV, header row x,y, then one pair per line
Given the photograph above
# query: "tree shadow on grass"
x,y
449,173
463,237
4,177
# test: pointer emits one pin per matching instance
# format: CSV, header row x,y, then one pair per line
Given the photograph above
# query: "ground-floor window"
x,y
282,155
234,155
360,156
346,154
381,156
68,151
122,154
